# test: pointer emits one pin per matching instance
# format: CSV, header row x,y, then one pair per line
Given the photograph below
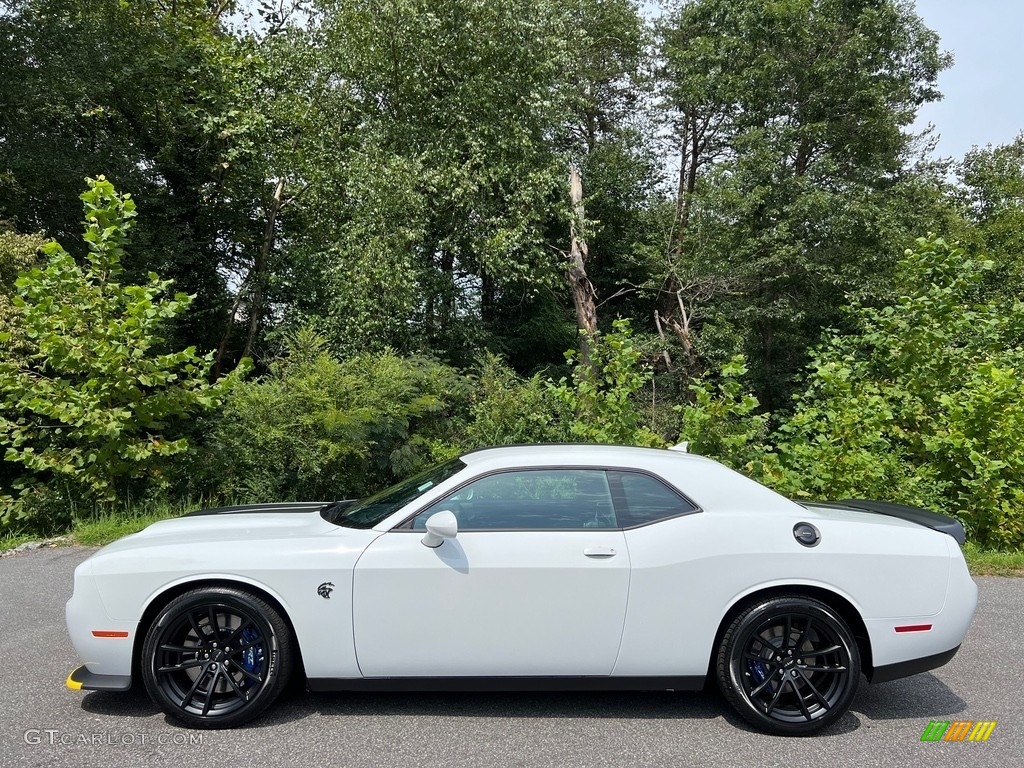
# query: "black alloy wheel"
x,y
789,665
216,657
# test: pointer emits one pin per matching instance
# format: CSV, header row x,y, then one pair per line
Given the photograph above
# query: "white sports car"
x,y
535,567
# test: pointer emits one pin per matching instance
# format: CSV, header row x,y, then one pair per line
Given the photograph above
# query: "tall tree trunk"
x,y
692,146
689,160
253,283
260,267
582,289
255,280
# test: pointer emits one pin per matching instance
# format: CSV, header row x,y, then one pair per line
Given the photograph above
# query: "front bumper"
x,y
82,679
104,644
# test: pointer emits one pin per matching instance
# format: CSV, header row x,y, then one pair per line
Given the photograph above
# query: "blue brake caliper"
x,y
252,658
758,671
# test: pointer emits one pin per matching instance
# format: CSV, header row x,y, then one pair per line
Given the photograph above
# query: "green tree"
x,y
791,124
168,100
992,192
441,188
441,206
94,401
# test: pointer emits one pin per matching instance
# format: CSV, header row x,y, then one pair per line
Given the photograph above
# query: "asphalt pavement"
x,y
44,724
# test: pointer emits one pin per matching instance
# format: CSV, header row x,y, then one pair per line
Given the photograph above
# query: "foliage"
x,y
604,396
723,422
393,173
992,193
508,410
166,101
94,401
442,186
316,427
789,118
923,403
440,207
17,254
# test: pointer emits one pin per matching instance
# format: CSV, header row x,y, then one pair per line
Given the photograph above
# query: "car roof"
x,y
710,484
578,453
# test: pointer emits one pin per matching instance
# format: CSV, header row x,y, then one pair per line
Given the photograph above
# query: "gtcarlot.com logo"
x,y
958,730
53,737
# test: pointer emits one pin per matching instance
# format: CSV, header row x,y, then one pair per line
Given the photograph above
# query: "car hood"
x,y
249,523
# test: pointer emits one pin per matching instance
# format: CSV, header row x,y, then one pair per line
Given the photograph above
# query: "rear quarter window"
x,y
647,499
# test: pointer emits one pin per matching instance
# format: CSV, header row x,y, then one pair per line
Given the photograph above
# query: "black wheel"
x,y
789,665
216,657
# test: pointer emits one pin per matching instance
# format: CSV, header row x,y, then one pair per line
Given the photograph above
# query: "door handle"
x,y
599,552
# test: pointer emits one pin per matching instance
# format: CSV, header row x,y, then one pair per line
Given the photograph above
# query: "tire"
x,y
789,665
216,657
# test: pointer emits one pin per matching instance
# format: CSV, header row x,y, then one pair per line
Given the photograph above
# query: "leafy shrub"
x,y
925,403
506,409
722,421
89,400
18,253
842,441
320,428
605,395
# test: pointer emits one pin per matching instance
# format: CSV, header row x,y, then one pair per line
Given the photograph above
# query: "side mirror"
x,y
440,526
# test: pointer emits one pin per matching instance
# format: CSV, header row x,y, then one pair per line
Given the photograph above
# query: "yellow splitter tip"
x,y
71,683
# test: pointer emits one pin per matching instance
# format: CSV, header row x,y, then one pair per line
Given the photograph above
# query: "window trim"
x,y
619,504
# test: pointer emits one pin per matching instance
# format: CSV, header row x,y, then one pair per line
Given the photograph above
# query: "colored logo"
x,y
958,730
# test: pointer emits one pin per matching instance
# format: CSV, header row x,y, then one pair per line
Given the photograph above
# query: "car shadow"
x,y
131,703
923,695
617,705
296,704
920,696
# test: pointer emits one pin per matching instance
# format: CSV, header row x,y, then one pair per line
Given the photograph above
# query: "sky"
x,y
984,89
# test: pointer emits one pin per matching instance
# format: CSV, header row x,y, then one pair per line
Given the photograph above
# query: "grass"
x,y
11,540
106,528
990,562
103,530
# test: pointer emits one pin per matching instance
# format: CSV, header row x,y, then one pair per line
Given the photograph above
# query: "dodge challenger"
x,y
568,567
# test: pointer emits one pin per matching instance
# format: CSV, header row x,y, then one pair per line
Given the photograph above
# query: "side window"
x,y
529,500
647,499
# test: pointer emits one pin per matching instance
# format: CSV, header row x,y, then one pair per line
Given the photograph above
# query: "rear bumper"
x,y
912,667
910,644
82,679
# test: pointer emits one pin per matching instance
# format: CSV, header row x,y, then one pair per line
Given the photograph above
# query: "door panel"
x,y
491,603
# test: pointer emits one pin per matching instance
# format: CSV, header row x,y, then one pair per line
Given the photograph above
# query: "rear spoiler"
x,y
925,517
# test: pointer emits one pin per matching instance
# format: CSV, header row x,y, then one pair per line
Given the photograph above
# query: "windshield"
x,y
367,512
